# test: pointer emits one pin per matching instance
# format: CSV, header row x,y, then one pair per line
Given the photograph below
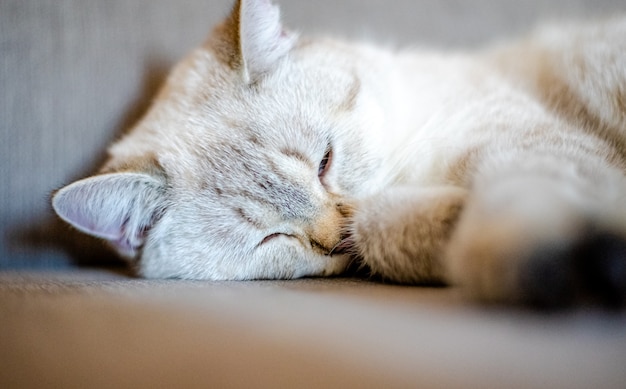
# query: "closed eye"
x,y
274,236
325,162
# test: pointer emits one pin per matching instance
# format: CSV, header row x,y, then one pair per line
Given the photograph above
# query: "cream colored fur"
x,y
445,167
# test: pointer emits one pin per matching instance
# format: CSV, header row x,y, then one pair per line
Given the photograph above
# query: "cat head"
x,y
248,162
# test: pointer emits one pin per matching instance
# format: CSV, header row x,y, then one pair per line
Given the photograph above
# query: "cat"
x,y
267,155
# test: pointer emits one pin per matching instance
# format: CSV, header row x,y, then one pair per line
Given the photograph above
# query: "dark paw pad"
x,y
592,269
602,264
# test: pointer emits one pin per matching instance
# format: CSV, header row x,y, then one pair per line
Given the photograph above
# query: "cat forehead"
x,y
207,128
311,75
204,105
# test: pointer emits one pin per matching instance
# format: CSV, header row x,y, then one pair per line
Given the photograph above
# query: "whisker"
x,y
342,246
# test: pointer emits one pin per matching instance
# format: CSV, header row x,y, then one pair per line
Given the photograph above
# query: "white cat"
x,y
267,156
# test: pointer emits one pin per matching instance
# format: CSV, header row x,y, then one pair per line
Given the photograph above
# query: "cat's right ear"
x,y
117,207
253,39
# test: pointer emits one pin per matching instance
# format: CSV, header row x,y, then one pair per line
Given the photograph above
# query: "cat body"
x,y
267,156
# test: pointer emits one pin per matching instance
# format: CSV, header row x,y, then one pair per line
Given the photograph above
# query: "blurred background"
x,y
75,73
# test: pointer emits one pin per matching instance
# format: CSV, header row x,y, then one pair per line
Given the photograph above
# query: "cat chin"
x,y
313,266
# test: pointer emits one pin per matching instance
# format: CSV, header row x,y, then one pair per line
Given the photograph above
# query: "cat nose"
x,y
326,232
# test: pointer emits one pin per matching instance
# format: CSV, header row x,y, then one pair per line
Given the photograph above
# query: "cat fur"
x,y
500,170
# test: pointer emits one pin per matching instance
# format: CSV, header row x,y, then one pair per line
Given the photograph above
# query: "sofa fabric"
x,y
94,329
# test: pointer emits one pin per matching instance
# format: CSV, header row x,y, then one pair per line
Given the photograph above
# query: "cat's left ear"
x,y
116,207
256,38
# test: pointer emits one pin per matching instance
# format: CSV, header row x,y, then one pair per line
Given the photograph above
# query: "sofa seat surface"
x,y
100,328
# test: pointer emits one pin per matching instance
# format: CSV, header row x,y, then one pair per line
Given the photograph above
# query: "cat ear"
x,y
258,36
117,207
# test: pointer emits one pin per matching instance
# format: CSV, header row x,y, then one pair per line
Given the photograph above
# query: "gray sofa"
x,y
74,74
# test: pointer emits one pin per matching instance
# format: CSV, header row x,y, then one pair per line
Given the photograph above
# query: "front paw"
x,y
400,233
500,263
590,269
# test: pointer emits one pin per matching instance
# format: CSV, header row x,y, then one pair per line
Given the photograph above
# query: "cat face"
x,y
248,163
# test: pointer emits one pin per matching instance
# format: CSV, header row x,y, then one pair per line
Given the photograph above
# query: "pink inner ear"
x,y
263,40
116,207
114,231
75,210
90,224
77,204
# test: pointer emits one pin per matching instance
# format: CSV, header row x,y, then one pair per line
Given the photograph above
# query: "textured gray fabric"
x,y
75,73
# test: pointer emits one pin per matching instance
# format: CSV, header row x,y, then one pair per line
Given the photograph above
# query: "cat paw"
x,y
590,269
400,233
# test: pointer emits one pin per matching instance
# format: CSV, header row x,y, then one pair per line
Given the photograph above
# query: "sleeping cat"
x,y
267,156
